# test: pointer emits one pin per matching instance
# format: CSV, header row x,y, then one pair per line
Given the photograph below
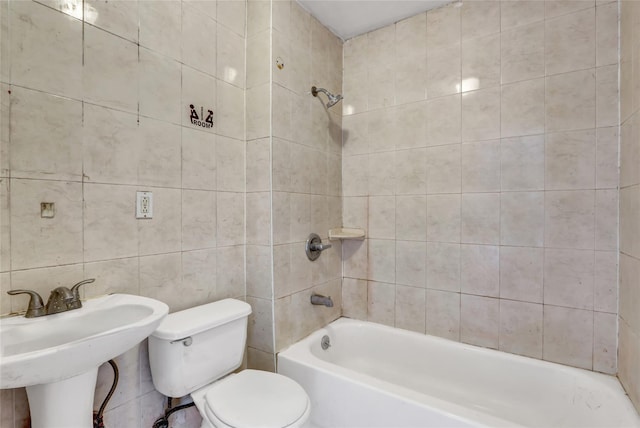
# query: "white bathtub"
x,y
378,376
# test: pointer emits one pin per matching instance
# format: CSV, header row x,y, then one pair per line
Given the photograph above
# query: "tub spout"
x,y
317,299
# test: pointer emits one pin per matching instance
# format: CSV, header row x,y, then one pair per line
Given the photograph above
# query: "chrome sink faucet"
x,y
61,299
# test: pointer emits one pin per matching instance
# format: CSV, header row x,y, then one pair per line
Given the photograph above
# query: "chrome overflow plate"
x,y
325,342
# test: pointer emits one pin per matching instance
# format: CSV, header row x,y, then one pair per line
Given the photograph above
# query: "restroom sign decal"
x,y
200,120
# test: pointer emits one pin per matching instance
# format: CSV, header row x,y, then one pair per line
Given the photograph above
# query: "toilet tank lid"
x,y
195,320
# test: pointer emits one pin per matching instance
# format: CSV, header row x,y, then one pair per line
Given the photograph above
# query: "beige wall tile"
x,y
410,263
522,108
381,174
605,343
159,85
570,219
411,171
481,114
160,277
37,241
112,276
382,215
443,26
258,158
522,163
480,321
481,218
522,51
443,266
230,109
569,160
522,219
381,303
629,291
443,71
410,308
570,41
443,169
110,226
569,278
230,230
443,314
607,96
258,218
481,166
411,218
443,218
51,150
110,75
258,112
259,333
119,18
553,8
444,120
354,298
382,261
480,18
160,27
197,27
570,101
5,308
110,134
521,328
480,62
568,336
411,78
57,46
515,13
480,270
231,13
606,220
160,148
629,352
521,273
629,224
606,282
607,173
199,276
198,160
230,159
259,267
198,219
230,281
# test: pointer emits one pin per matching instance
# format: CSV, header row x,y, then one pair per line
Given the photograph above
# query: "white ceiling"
x,y
350,18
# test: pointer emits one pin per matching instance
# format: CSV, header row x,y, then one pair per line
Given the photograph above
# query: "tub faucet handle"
x,y
36,306
315,246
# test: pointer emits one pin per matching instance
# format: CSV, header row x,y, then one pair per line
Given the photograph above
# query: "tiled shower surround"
x,y
477,145
480,153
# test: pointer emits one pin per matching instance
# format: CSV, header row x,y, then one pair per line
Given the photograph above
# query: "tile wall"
x,y
293,175
95,106
629,316
480,153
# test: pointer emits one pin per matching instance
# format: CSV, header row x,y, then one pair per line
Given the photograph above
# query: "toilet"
x,y
195,352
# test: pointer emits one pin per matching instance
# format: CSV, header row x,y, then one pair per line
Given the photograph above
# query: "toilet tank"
x,y
197,346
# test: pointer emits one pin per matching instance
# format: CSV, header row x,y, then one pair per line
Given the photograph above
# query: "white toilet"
x,y
194,350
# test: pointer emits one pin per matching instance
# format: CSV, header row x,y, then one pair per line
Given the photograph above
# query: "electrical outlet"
x,y
144,205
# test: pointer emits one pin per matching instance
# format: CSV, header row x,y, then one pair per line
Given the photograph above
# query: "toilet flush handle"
x,y
186,341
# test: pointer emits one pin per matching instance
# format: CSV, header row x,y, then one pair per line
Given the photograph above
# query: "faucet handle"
x,y
36,306
76,303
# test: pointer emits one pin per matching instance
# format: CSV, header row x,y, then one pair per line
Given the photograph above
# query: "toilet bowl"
x,y
195,352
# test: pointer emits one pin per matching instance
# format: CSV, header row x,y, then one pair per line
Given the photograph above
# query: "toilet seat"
x,y
256,399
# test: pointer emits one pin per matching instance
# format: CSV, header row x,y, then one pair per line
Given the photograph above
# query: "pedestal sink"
x,y
57,356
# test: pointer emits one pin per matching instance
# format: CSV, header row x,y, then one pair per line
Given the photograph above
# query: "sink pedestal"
x,y
64,404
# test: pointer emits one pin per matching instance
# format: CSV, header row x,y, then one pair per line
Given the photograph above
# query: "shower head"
x,y
333,99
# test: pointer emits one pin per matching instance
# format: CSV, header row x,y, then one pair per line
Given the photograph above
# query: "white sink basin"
x,y
55,348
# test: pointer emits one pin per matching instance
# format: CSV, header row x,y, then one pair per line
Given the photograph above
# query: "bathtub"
x,y
379,376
